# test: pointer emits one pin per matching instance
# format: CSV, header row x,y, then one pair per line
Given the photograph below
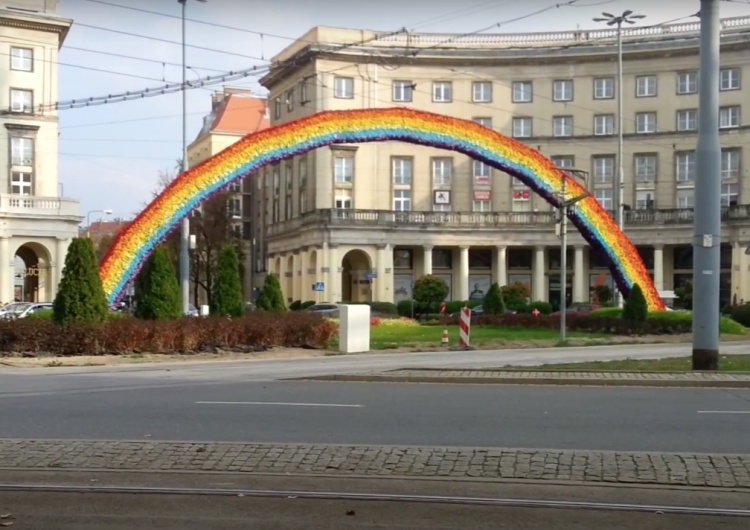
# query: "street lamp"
x,y
565,205
88,219
185,228
611,20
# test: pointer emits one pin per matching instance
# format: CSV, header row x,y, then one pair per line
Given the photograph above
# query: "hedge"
x,y
255,332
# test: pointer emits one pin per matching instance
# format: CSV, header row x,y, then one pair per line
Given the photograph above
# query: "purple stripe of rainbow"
x,y
136,242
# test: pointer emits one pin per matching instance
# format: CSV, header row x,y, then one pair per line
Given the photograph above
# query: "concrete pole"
x,y
707,223
563,262
185,227
619,181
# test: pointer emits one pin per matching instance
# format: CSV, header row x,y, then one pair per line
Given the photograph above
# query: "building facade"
x,y
36,223
369,219
235,112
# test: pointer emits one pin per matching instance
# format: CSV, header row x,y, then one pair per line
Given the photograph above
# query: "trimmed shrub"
x,y
307,304
384,308
493,303
120,336
741,314
226,299
545,308
271,297
159,297
615,312
636,307
80,297
405,307
295,306
429,292
516,296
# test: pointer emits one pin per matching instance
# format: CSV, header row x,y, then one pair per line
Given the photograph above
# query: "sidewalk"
x,y
549,377
552,466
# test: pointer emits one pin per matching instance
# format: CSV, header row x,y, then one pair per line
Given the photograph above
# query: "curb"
x,y
544,381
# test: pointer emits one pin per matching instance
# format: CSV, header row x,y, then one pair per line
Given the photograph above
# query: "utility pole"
x,y
707,212
619,185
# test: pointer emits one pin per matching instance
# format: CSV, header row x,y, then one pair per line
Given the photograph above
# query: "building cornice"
x,y
34,22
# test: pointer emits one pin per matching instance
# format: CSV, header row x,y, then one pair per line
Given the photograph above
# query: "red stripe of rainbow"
x,y
136,242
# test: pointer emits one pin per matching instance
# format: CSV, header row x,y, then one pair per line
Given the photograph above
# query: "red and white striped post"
x,y
465,327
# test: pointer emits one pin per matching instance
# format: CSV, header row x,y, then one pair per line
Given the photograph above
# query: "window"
x,y
604,169
729,194
442,92
402,91
481,206
20,183
481,92
234,207
402,200
481,173
21,151
645,86
343,169
521,127
288,175
729,117
522,91
604,197
290,100
685,166
604,88
484,122
604,124
235,187
687,120
21,59
343,200
645,168
303,92
687,82
302,173
277,108
562,90
645,122
644,200
402,171
685,198
563,161
730,163
442,170
562,126
275,180
343,87
729,79
21,101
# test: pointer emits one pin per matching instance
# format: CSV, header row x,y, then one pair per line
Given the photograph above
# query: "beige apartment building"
x,y
368,219
36,223
235,112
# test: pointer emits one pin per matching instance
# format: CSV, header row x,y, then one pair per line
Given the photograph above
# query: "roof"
x,y
237,113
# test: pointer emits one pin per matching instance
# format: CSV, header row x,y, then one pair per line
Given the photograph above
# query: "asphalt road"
x,y
585,418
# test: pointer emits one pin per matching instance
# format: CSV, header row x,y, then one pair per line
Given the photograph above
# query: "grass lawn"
x,y
727,363
391,337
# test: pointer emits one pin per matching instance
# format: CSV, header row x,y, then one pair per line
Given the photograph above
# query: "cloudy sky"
x,y
110,155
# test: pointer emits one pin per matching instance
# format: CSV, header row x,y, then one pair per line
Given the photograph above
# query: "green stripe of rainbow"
x,y
136,242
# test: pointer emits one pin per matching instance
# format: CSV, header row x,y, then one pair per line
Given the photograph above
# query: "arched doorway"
x,y
355,286
32,274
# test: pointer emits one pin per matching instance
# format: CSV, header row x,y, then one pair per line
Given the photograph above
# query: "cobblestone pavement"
x,y
391,461
717,379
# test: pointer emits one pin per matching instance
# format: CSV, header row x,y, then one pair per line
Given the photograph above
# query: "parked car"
x,y
329,310
583,309
23,309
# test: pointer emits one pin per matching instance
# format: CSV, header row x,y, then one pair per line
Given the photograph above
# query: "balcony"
x,y
33,206
492,220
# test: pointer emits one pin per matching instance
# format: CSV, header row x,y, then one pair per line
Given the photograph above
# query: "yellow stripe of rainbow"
x,y
135,243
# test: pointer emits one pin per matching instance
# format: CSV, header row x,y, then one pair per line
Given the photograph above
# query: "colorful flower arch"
x,y
136,242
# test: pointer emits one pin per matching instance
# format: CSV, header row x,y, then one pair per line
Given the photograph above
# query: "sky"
x,y
111,155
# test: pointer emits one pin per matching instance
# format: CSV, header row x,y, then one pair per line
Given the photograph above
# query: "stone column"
x,y
426,260
659,267
463,274
6,275
381,282
579,278
538,277
333,287
60,253
500,267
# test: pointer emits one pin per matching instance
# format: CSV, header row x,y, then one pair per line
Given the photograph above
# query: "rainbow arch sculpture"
x,y
135,243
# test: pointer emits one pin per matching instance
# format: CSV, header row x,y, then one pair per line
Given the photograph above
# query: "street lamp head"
x,y
107,212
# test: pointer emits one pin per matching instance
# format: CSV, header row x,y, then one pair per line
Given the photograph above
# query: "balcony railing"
x,y
392,219
33,205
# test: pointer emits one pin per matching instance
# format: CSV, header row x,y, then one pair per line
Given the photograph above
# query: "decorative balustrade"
x,y
33,205
446,220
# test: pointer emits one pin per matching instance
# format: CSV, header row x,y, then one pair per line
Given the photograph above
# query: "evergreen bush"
x,y
80,296
159,297
493,301
271,298
226,299
635,308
